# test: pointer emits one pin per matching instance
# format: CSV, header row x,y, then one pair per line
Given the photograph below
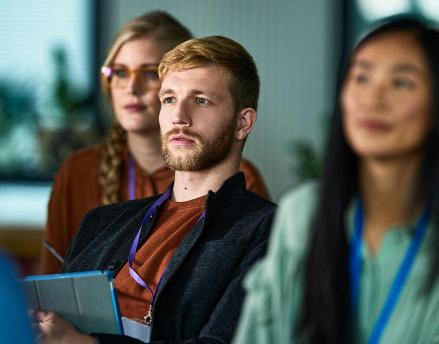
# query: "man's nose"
x,y
181,114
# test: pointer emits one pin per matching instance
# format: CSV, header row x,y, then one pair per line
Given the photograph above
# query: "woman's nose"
x,y
376,96
135,85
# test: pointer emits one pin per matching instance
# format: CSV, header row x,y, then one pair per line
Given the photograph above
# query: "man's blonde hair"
x,y
221,51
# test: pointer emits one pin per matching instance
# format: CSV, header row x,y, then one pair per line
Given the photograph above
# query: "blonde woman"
x,y
129,164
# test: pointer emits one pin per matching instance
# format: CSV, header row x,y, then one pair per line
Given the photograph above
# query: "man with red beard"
x,y
179,258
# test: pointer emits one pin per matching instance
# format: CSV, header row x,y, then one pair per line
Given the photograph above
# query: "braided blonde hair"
x,y
111,165
169,33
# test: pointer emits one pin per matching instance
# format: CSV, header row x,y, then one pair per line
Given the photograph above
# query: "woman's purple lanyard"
x,y
400,278
149,215
131,178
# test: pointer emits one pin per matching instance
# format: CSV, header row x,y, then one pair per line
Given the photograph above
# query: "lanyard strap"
x,y
131,178
355,256
400,278
149,214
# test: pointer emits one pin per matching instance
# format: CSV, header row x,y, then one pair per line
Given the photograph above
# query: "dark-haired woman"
x,y
354,258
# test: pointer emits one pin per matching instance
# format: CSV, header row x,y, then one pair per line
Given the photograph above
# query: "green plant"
x,y
65,96
17,104
306,161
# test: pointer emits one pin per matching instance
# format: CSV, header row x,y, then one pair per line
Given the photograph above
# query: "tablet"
x,y
86,299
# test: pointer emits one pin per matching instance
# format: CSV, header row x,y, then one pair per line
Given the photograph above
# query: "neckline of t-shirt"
x,y
196,203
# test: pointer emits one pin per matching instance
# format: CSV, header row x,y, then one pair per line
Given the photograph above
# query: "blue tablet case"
x,y
86,299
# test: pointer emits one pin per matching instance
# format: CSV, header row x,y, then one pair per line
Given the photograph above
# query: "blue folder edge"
x,y
107,273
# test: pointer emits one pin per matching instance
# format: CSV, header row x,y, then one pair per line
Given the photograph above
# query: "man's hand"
x,y
52,328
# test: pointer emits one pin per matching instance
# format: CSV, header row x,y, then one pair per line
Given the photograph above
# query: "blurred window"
x,y
46,85
363,12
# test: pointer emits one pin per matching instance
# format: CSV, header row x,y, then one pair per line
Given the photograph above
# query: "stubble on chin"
x,y
204,155
187,160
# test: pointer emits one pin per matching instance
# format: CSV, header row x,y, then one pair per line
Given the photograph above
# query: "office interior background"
x,y
51,102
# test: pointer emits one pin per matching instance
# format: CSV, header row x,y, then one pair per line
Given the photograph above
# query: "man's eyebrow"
x,y
166,91
207,93
193,92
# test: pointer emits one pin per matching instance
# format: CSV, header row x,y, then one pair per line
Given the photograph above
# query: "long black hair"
x,y
325,315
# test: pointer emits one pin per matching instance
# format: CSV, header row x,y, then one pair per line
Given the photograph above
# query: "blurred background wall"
x,y
51,104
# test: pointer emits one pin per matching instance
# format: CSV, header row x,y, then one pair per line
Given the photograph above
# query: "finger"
x,y
42,316
37,329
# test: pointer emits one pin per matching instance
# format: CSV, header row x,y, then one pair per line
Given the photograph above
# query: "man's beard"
x,y
206,153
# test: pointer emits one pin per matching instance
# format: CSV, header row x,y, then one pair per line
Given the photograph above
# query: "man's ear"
x,y
246,121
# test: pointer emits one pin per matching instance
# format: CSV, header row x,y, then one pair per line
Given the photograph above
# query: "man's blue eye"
x,y
168,100
202,101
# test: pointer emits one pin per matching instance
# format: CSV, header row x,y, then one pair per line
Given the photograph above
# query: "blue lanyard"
x,y
400,278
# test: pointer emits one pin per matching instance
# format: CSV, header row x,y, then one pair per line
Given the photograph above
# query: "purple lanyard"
x,y
149,214
131,178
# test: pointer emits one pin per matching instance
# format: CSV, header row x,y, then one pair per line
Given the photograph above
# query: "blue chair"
x,y
15,325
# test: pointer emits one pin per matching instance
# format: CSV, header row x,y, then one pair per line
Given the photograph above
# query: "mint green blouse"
x,y
274,285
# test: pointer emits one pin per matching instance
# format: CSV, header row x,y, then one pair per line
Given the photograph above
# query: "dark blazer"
x,y
200,296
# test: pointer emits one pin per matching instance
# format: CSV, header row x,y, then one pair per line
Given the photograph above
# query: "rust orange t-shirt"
x,y
175,220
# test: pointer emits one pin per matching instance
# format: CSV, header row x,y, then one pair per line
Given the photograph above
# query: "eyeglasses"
x,y
119,76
